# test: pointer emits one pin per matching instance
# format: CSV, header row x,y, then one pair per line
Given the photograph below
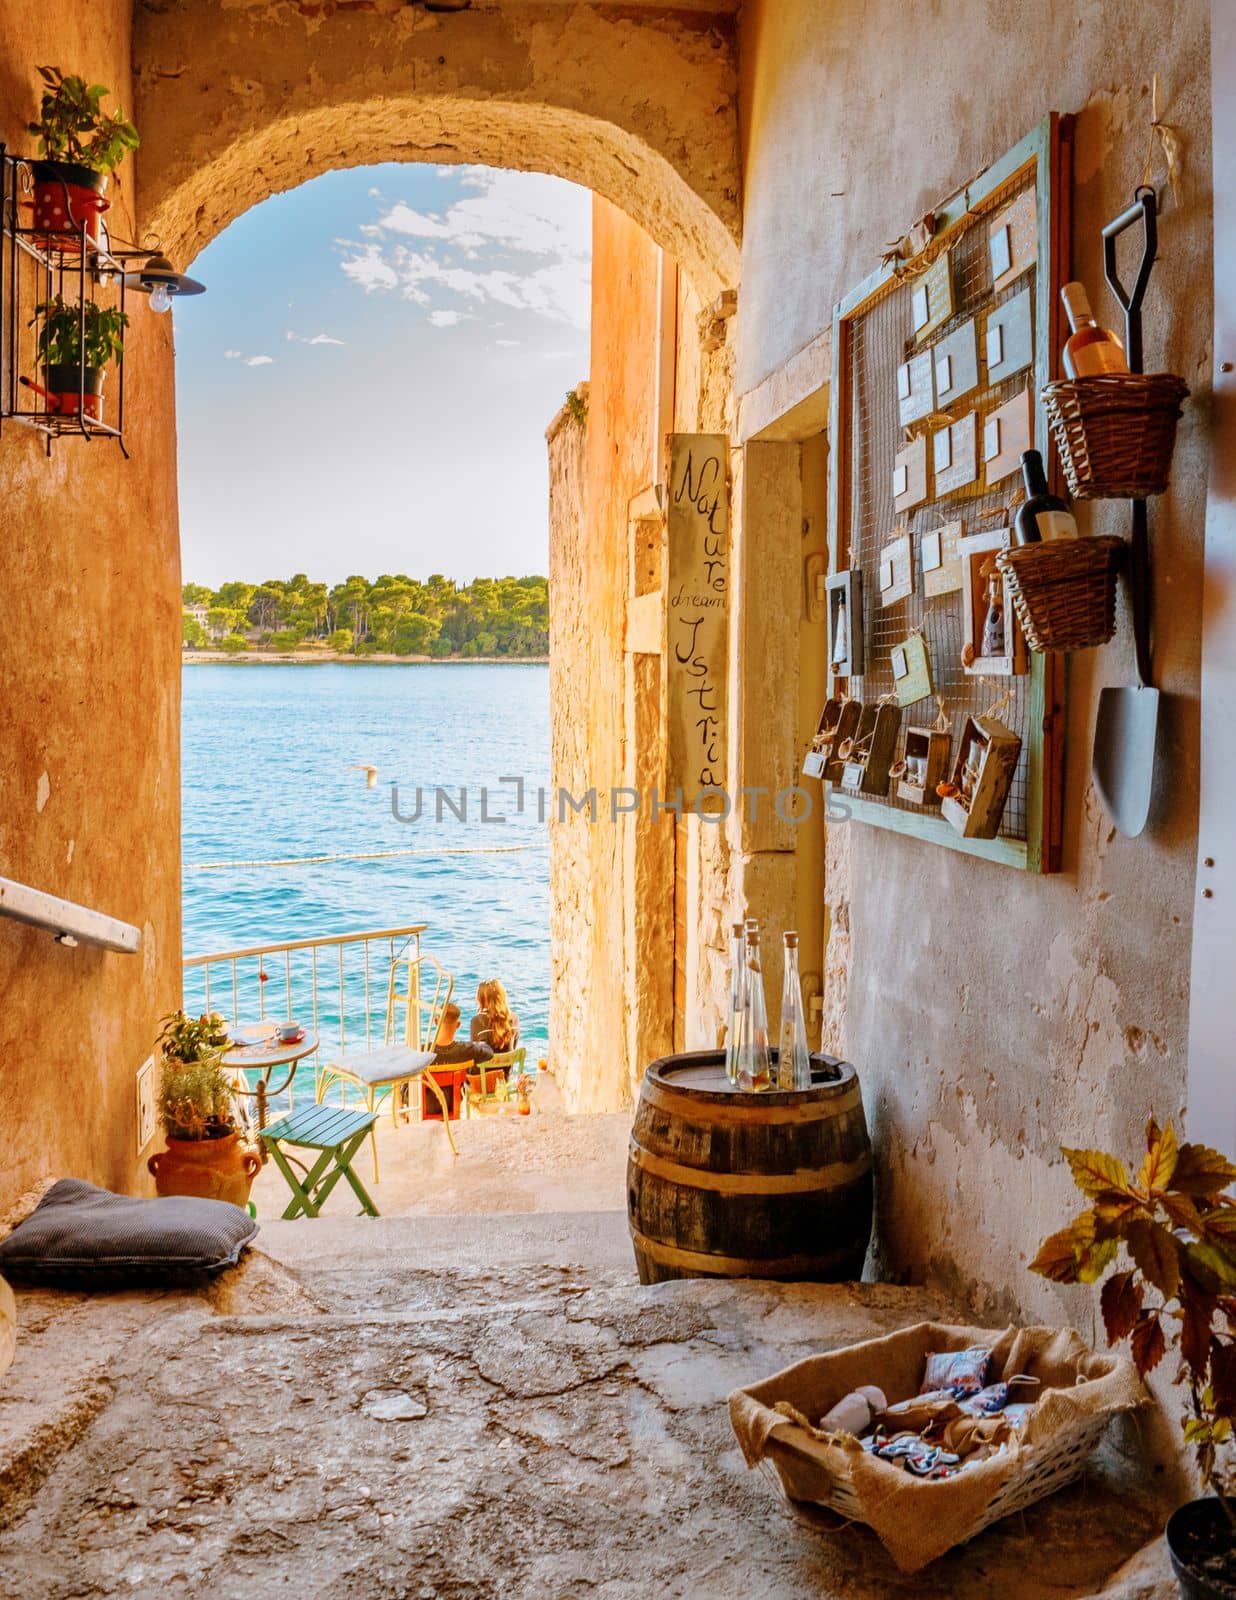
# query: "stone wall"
x,y
1008,1014
90,686
589,578
569,867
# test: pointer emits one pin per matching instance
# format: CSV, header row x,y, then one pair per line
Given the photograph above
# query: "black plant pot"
x,y
1198,1530
67,383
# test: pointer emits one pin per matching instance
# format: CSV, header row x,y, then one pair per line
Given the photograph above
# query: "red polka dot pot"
x,y
65,197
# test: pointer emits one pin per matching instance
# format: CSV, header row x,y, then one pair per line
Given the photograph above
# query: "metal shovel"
x,y
1127,728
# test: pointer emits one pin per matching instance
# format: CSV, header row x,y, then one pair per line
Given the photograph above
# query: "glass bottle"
x,y
793,1056
1091,350
738,999
754,1061
1042,515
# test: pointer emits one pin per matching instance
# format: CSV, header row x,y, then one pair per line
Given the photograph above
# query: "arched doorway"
x,y
237,105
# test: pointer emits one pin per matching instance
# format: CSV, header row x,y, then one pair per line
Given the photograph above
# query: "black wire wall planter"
x,y
42,265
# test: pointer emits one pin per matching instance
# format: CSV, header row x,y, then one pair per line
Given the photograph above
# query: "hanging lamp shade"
x,y
160,280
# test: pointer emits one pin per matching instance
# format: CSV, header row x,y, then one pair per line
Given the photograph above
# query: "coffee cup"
x,y
288,1031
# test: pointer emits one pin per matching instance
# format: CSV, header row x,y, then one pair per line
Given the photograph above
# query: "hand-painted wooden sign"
x,y
698,615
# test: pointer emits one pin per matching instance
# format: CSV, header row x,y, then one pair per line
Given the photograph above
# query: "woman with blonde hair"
x,y
495,1024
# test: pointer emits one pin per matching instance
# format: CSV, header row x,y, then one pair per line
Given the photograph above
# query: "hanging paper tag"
x,y
911,662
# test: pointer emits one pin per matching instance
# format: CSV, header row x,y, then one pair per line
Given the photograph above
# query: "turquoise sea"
x,y
268,774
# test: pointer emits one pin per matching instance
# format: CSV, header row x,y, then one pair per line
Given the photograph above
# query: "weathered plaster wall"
x,y
589,577
570,903
242,100
994,1017
90,704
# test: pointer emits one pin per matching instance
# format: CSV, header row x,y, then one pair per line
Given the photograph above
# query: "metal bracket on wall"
x,y
41,268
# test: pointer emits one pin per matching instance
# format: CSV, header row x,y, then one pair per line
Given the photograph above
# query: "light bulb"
x,y
160,299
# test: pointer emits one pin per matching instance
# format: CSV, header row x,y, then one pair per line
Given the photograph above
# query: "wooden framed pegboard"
x,y
938,364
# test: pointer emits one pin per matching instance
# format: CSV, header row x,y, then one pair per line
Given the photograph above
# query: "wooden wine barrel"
x,y
723,1184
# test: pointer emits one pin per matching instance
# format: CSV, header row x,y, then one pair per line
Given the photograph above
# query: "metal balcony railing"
x,y
338,986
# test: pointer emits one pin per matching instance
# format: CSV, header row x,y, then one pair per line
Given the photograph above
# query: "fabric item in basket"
x,y
855,1413
961,1372
918,1521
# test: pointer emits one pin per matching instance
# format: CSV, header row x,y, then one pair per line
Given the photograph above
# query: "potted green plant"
x,y
1173,1230
75,343
204,1154
80,146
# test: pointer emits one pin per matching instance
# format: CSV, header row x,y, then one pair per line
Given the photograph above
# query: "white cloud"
x,y
517,240
259,361
446,319
232,355
370,271
318,338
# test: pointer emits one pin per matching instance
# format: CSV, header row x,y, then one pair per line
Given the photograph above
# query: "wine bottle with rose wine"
x,y
1091,350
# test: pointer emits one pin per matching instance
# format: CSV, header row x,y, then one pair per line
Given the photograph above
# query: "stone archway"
x,y
241,99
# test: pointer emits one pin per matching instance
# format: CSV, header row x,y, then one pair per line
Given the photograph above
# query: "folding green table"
x,y
338,1134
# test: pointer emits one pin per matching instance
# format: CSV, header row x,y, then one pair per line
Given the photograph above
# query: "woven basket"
x,y
918,1520
1064,591
1115,432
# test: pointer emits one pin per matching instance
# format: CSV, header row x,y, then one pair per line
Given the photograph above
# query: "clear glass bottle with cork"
x,y
793,1055
754,1059
738,999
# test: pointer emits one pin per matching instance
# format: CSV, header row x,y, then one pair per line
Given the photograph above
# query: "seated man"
x,y
450,1052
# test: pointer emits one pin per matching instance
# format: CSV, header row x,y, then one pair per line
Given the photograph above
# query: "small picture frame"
x,y
920,308
903,381
955,450
944,374
911,665
845,624
896,571
1001,250
941,559
1014,432
989,652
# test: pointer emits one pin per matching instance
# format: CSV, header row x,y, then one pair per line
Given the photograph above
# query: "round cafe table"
x,y
263,1056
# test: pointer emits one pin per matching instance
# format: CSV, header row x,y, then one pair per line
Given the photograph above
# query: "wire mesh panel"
x,y
875,338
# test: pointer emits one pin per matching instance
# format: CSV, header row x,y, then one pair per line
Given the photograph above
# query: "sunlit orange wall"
x,y
89,704
587,644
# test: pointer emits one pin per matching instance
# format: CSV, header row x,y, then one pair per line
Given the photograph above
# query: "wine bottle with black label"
x,y
1042,515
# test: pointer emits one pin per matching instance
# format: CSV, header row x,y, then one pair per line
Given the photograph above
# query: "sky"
x,y
366,384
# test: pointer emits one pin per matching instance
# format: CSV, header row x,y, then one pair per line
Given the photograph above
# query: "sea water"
x,y
271,773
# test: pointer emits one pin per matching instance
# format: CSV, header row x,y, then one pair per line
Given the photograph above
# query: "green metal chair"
x,y
336,1134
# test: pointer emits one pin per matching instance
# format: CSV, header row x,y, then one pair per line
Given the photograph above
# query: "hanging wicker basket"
x,y
1115,432
1064,591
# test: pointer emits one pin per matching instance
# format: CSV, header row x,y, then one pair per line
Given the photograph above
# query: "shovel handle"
x,y
1145,209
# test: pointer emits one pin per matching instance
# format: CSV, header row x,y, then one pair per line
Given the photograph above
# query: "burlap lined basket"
x,y
915,1519
1115,432
1064,591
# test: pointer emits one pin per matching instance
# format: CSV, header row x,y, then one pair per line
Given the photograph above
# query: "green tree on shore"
x,y
394,614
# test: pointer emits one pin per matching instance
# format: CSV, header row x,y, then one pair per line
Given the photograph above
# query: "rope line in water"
x,y
367,855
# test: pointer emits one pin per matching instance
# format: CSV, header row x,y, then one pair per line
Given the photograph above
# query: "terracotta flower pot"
x,y
65,385
211,1169
65,196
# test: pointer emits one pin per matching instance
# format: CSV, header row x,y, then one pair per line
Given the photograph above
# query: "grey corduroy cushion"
x,y
80,1236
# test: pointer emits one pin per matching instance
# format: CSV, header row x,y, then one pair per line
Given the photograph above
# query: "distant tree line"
x,y
397,615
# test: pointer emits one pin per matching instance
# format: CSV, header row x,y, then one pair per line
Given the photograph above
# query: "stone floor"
x,y
547,1161
463,1408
